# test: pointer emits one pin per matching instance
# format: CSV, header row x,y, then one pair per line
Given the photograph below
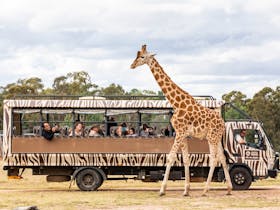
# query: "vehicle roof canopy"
x,y
101,104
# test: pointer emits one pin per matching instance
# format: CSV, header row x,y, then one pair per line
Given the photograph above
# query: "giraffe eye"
x,y
142,57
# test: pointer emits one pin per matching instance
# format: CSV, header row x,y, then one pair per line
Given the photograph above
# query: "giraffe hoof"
x,y
186,194
161,193
204,194
229,191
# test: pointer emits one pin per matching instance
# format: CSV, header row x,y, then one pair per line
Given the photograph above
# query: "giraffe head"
x,y
143,57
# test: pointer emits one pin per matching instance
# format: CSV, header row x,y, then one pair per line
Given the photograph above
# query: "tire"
x,y
89,180
241,178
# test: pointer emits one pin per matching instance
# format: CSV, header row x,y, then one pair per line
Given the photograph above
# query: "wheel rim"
x,y
239,178
88,180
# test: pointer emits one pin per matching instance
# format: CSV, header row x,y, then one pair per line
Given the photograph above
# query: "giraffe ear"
x,y
144,48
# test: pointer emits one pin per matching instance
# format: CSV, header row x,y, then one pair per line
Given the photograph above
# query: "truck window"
x,y
253,138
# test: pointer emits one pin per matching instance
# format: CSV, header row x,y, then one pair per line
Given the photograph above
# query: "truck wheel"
x,y
241,178
88,180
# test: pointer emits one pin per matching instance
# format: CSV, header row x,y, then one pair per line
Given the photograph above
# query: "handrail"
x,y
248,117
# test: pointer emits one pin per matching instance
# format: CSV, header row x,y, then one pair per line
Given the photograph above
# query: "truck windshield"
x,y
249,137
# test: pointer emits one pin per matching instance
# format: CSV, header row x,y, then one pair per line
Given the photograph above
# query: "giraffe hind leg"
x,y
213,163
225,168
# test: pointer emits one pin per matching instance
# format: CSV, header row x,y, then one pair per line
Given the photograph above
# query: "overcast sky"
x,y
206,47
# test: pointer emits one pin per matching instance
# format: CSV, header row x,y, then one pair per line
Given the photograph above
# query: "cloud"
x,y
218,45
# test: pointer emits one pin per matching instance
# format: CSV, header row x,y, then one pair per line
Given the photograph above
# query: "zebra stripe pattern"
x,y
263,158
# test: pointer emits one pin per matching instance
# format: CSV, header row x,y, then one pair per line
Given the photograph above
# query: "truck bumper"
x,y
272,173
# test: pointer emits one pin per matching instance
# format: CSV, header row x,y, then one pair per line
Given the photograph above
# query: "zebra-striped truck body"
x,y
96,159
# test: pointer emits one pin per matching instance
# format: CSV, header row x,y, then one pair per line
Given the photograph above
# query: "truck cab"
x,y
255,159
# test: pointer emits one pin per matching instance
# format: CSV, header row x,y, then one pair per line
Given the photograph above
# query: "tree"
x,y
74,83
60,85
30,86
135,92
149,93
113,90
265,106
239,100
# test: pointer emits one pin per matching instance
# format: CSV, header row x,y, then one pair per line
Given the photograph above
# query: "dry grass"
x,y
34,190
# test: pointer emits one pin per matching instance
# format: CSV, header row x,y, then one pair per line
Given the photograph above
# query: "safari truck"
x,y
112,153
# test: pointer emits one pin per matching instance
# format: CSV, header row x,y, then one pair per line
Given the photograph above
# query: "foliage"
x,y
74,83
265,106
28,86
237,99
113,90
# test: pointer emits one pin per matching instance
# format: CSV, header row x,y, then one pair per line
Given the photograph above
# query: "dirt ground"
x,y
131,194
257,197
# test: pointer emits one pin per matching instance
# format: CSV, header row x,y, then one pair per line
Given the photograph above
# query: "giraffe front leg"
x,y
186,161
170,160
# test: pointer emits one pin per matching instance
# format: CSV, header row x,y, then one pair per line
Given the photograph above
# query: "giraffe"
x,y
190,119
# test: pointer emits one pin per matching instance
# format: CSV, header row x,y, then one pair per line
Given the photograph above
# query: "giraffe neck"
x,y
173,92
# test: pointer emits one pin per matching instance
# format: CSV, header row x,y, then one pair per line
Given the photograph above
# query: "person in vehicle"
x,y
241,137
146,131
124,128
78,130
48,131
95,131
118,132
131,133
167,131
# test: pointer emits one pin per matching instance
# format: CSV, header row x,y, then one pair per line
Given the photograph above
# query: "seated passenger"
x,y
48,131
95,131
131,133
124,128
146,131
241,137
166,131
78,130
119,132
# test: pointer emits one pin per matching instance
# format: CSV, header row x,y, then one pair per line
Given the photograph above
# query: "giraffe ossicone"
x,y
189,119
